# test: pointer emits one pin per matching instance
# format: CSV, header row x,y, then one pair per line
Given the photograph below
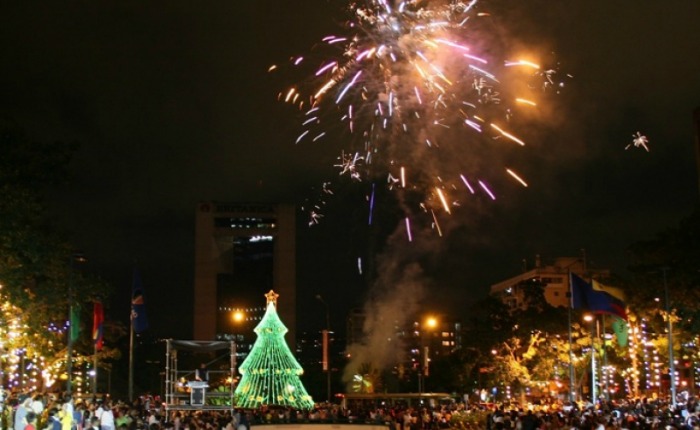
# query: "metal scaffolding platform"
x,y
196,398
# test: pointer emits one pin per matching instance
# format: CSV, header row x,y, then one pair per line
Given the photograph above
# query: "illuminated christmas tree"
x,y
270,373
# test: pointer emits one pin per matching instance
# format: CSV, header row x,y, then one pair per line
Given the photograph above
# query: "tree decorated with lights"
x,y
270,374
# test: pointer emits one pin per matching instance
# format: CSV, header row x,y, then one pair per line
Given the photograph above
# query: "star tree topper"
x,y
272,297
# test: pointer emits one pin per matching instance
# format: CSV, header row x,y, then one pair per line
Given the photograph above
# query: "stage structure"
x,y
189,389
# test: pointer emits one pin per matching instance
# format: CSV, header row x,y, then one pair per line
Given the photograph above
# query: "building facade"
x,y
419,339
554,278
242,251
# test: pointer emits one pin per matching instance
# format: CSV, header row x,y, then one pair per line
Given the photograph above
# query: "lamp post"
x,y
590,319
430,323
326,346
239,329
569,294
572,374
669,327
76,257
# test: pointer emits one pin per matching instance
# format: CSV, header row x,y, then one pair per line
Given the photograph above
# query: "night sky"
x,y
172,104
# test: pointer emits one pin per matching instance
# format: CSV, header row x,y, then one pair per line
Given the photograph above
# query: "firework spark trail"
x,y
437,224
371,205
488,191
407,82
466,183
517,177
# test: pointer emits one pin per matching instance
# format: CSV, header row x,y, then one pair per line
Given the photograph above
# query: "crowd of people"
x,y
628,414
54,412
51,412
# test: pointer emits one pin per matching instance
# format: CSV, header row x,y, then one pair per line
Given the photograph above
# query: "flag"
x,y
74,331
619,325
613,291
98,319
621,331
139,321
583,296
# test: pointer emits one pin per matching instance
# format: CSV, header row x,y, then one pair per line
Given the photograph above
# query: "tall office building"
x,y
242,251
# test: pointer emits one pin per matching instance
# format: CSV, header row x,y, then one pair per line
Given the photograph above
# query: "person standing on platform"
x,y
202,374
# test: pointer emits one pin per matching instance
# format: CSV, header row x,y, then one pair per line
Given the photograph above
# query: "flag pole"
x,y
94,370
132,317
606,371
669,328
131,359
138,324
572,376
594,369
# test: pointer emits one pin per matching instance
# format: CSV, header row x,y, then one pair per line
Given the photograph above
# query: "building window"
x,y
243,223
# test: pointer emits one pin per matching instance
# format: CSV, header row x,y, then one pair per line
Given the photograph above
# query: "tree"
x,y
669,263
36,262
672,260
522,347
270,373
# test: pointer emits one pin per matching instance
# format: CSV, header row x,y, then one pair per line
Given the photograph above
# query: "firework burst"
x,y
417,96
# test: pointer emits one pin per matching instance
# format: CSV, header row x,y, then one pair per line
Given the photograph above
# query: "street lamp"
x,y
430,323
671,364
76,257
238,316
590,319
326,334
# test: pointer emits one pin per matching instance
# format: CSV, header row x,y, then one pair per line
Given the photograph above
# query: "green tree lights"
x,y
270,373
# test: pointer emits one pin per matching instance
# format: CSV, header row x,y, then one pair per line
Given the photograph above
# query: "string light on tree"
x,y
647,362
632,379
657,369
25,351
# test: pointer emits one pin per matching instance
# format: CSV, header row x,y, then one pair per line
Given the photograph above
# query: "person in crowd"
x,y
69,402
243,423
153,418
52,420
23,408
123,418
38,404
66,416
79,415
99,409
177,421
31,420
107,416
